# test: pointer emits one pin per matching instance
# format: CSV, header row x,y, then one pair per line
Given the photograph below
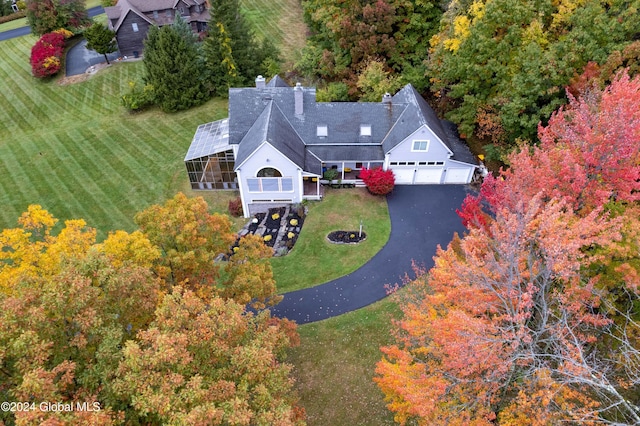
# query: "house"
x,y
278,142
131,19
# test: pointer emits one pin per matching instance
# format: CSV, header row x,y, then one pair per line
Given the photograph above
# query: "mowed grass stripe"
x,y
121,173
39,177
98,181
14,194
72,178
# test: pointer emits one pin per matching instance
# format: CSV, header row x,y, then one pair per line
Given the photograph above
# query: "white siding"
x,y
429,167
288,188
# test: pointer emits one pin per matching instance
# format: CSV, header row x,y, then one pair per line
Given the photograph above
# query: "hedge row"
x,y
17,15
46,54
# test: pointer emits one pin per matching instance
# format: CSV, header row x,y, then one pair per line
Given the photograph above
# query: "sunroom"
x,y
210,160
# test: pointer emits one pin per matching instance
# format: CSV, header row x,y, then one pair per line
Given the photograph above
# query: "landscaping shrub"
x,y
331,174
138,98
46,54
235,207
378,181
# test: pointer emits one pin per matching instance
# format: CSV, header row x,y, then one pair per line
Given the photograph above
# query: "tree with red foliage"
x,y
589,154
46,54
378,181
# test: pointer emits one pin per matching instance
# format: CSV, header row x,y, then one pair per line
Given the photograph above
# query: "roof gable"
x,y
272,127
121,10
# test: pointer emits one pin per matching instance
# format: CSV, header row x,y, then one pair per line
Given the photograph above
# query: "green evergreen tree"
x,y
101,39
174,67
231,40
221,65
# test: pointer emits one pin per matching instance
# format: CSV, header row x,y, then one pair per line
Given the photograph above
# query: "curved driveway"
x,y
422,216
79,58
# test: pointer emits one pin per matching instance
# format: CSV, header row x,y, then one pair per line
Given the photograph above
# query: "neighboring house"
x,y
131,19
278,141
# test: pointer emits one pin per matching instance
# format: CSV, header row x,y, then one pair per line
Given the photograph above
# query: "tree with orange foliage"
x,y
190,238
210,363
507,320
68,307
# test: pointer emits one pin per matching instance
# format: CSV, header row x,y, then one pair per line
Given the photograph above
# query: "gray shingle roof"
x,y
347,153
273,127
277,82
258,114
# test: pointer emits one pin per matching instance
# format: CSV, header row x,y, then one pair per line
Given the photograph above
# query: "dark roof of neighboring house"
x,y
143,8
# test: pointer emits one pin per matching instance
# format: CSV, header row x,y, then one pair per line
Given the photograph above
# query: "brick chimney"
x,y
298,95
261,83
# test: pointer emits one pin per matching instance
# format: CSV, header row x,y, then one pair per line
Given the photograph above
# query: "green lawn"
x,y
335,365
315,260
12,25
77,152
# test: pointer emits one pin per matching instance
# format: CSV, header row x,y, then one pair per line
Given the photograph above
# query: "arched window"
x,y
269,172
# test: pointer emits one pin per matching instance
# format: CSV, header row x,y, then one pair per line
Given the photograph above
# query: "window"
x,y
135,27
287,184
365,130
168,13
322,131
270,184
155,14
269,172
420,146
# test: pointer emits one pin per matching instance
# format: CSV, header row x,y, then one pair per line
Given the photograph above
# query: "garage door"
x,y
428,175
417,172
403,175
457,175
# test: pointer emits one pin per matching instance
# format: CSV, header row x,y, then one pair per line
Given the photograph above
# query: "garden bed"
x,y
279,227
346,237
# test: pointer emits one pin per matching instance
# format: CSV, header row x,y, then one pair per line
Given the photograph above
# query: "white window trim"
x,y
134,25
413,144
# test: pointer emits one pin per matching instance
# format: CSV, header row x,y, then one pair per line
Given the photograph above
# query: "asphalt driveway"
x,y
79,58
422,217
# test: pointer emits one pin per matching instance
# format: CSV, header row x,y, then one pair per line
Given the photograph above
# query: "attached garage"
x,y
416,173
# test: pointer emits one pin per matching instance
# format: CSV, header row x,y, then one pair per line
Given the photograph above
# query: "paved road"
x,y
22,31
422,216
